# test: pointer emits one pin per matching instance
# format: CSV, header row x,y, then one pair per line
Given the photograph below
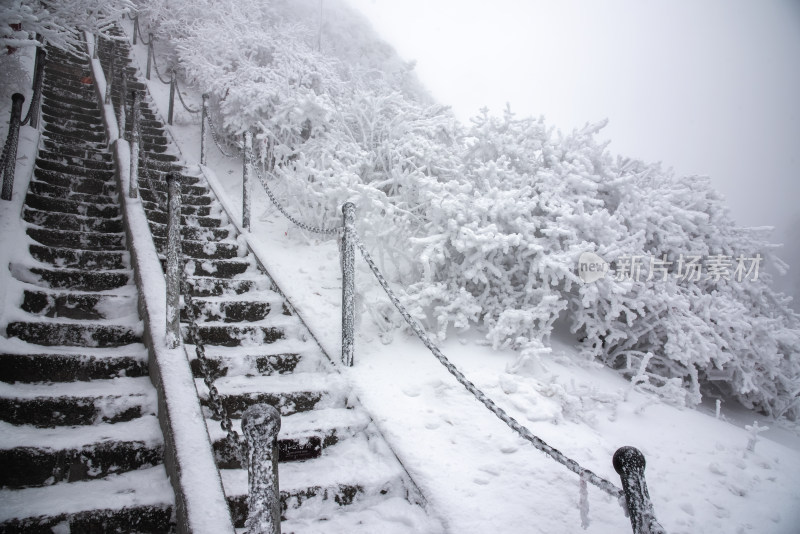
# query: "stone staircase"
x,y
337,474
81,449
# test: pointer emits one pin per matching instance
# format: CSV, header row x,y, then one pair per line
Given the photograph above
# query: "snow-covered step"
x,y
47,158
38,363
208,286
393,515
73,222
233,335
302,436
288,393
254,306
199,216
76,240
74,334
281,357
51,147
187,199
78,279
227,268
52,111
356,470
102,173
190,185
137,501
47,189
203,249
78,305
60,205
193,233
35,456
70,258
77,403
76,183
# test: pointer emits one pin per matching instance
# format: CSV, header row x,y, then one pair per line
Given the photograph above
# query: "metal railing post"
x,y
150,53
203,118
247,161
260,425
173,259
171,98
123,112
9,158
133,191
38,82
348,283
135,28
629,463
110,76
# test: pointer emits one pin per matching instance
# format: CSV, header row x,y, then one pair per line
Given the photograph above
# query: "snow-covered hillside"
x,y
480,476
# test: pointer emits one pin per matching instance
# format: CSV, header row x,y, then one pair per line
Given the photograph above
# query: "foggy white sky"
x,y
705,86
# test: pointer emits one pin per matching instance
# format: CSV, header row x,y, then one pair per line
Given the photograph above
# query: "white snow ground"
x,y
477,475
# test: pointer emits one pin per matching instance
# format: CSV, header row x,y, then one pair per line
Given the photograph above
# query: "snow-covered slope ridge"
x,y
80,445
336,471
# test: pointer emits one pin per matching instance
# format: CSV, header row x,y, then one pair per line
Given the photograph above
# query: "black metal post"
x,y
260,425
150,53
136,114
9,158
348,284
123,103
110,75
629,463
38,82
247,161
203,119
171,98
173,260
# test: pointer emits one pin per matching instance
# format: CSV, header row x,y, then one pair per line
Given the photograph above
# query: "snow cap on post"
x,y
629,463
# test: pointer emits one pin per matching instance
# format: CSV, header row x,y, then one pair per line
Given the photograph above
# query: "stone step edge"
x,y
140,488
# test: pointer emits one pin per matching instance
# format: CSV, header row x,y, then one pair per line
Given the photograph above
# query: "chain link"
x,y
138,29
537,442
313,229
161,202
214,399
185,105
36,98
215,136
155,64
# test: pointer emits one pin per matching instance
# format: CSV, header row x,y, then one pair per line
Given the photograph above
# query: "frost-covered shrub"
x,y
505,246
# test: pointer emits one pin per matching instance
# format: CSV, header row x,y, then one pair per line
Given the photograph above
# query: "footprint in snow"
x,y
412,391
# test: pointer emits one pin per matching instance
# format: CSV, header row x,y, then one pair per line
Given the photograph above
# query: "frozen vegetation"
x,y
484,224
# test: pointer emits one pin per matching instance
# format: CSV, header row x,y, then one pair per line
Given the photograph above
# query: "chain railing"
x,y
628,461
8,159
32,117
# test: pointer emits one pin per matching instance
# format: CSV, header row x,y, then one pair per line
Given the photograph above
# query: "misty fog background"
x,y
708,87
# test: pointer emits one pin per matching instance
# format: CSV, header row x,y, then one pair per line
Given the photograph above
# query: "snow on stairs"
x,y
81,449
336,471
